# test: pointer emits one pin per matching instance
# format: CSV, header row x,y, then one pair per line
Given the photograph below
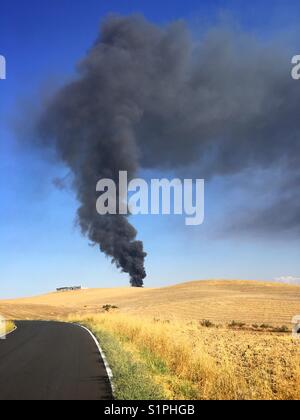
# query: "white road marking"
x,y
106,364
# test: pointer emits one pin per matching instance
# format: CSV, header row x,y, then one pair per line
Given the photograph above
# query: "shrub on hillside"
x,y
108,308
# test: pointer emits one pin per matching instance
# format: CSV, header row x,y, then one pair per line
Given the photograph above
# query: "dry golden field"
x,y
158,344
218,301
191,361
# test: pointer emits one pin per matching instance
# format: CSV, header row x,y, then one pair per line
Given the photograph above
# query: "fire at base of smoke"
x,y
159,197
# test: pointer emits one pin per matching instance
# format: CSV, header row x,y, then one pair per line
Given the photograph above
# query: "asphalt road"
x,y
51,361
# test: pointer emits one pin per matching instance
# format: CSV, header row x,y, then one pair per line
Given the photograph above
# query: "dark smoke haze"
x,y
152,97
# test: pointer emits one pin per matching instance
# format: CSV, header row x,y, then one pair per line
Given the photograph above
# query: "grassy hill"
x,y
179,342
218,301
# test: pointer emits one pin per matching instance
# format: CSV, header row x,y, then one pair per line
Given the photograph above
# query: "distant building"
x,y
68,289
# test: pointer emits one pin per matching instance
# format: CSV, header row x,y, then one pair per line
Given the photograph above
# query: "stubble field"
x,y
218,301
199,340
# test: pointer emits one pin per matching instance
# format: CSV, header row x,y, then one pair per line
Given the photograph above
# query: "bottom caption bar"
x,y
134,409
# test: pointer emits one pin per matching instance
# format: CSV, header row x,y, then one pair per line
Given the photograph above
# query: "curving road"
x,y
51,361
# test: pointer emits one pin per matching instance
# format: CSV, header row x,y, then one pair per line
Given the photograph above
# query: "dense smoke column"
x,y
95,148
151,97
90,122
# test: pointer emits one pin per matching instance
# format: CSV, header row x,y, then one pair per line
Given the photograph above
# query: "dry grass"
x,y
217,301
10,326
163,330
193,362
6,327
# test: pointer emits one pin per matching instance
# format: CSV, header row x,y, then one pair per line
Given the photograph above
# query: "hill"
x,y
218,301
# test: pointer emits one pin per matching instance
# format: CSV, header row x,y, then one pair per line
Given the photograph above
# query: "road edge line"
x,y
102,354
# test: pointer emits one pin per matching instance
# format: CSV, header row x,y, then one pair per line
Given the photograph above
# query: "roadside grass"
x,y
10,326
6,327
131,378
176,360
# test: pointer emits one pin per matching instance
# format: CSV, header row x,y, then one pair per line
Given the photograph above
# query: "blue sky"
x,y
40,246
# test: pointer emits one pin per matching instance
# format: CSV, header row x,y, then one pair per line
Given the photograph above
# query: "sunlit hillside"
x,y
219,301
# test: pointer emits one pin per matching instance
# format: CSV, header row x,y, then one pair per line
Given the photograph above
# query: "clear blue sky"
x,y
40,248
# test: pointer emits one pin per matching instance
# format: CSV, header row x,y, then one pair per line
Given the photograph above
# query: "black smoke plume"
x,y
152,97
